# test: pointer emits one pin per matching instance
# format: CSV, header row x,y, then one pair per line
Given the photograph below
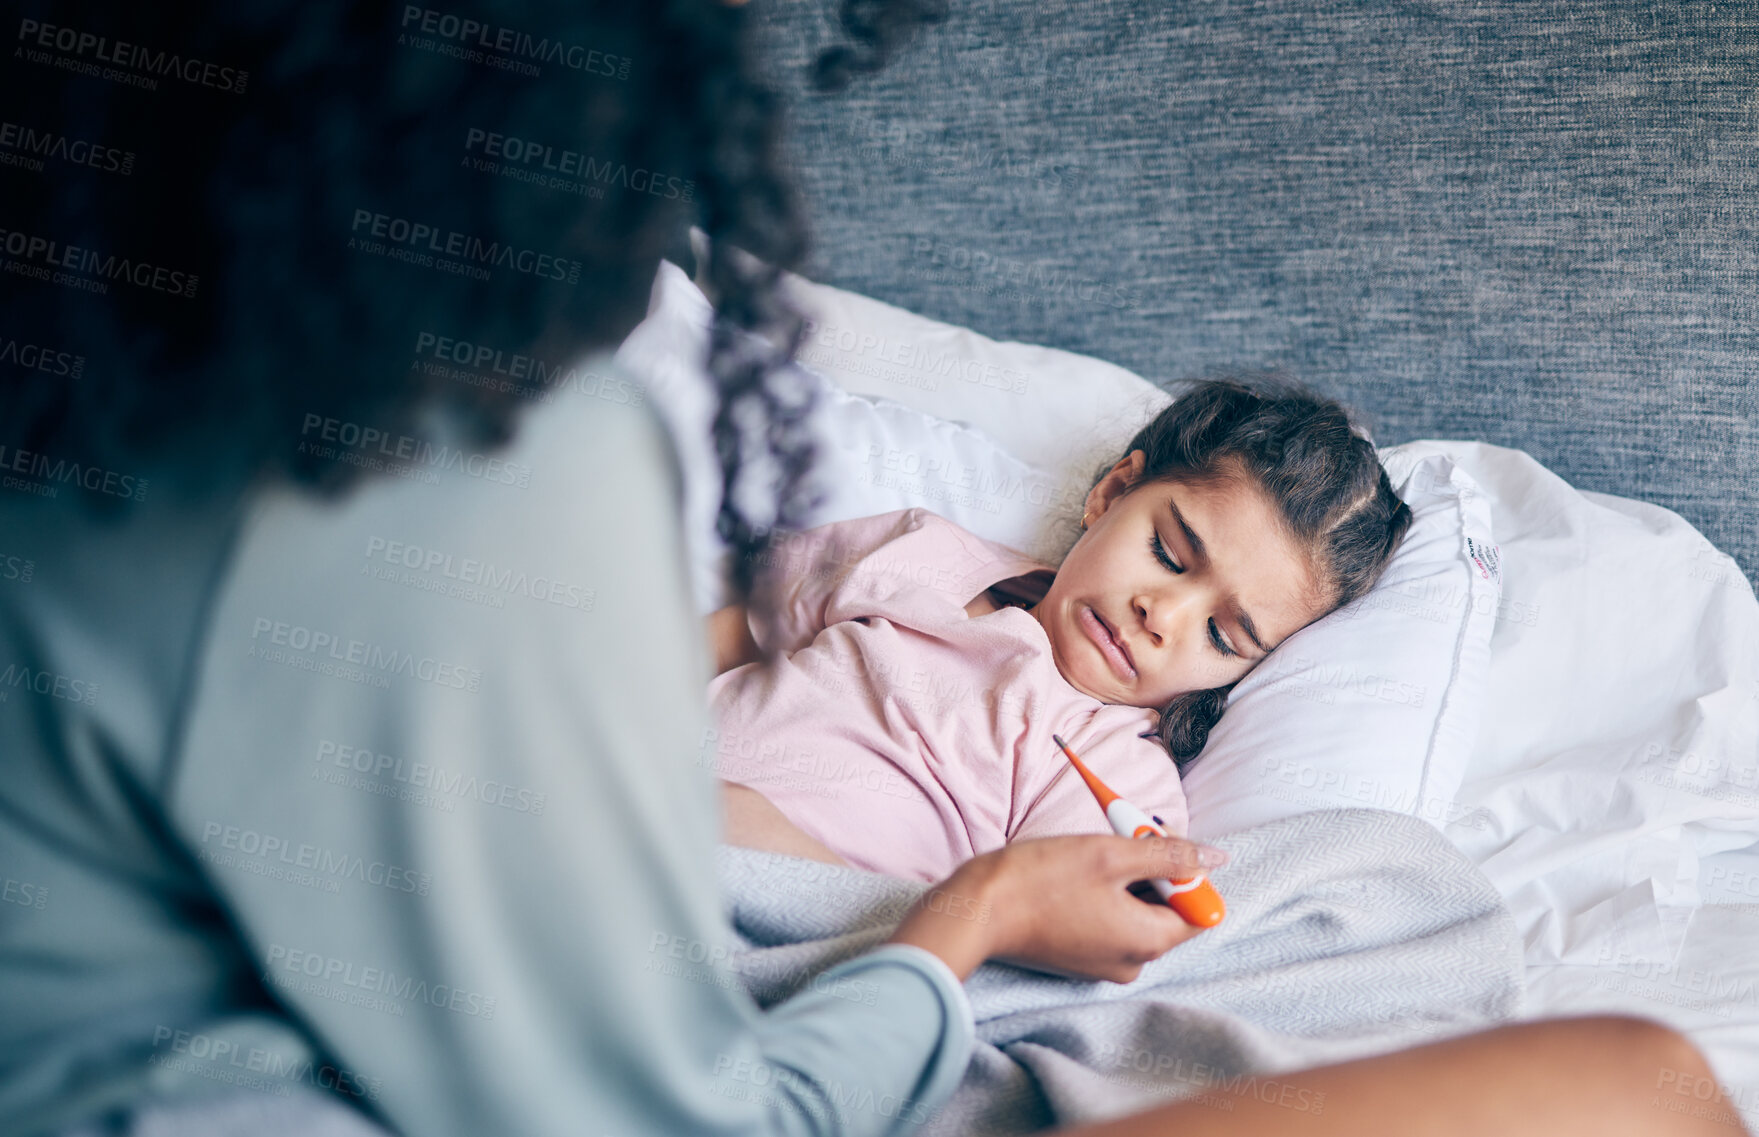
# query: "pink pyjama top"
x,y
907,736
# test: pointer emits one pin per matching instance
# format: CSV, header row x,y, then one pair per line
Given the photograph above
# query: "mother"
x,y
352,690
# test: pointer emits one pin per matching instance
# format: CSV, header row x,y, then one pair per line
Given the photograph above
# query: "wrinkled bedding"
x,y
1350,932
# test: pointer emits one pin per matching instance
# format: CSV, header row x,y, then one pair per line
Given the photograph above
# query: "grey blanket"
x,y
1350,932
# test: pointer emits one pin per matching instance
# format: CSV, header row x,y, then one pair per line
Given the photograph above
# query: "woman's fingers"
x,y
1074,906
1172,858
1147,858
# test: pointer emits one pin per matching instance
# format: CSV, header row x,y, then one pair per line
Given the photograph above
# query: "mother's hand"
x,y
1057,904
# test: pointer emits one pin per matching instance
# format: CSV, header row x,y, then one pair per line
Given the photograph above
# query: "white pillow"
x,y
1377,705
875,456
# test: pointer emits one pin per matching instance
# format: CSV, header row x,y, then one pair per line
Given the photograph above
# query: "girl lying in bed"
x,y
905,724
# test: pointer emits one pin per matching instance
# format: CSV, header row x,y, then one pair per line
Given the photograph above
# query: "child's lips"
x,y
1107,642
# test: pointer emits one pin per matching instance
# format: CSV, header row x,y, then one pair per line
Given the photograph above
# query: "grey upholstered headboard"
x,y
1531,223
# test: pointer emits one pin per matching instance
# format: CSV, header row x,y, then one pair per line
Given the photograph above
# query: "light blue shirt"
x,y
403,794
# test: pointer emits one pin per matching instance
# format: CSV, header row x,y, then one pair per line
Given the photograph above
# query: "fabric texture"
x,y
1531,224
395,797
1350,932
907,736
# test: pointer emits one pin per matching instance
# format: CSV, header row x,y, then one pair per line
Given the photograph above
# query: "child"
x,y
905,724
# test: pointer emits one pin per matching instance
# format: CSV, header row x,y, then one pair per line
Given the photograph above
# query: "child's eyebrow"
x,y
1196,543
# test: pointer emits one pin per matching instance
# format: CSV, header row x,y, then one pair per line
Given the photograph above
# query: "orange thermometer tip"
x,y
1100,790
1202,906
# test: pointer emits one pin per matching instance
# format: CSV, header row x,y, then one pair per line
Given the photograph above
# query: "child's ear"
x,y
1129,468
1125,472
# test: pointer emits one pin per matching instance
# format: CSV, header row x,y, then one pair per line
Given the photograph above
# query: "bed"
x,y
1521,236
1609,792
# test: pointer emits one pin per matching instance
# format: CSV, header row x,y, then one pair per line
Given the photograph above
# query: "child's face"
x,y
1161,616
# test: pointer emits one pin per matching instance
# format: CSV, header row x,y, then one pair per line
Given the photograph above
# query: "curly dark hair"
x,y
1325,479
281,207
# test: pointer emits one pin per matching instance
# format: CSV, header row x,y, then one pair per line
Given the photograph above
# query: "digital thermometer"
x,y
1196,900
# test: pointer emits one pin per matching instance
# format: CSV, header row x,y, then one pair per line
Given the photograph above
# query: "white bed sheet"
x,y
1616,775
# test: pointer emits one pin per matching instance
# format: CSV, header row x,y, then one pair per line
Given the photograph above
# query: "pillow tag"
x,y
1488,558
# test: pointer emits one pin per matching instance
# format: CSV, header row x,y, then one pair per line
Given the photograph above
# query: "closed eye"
x,y
1160,551
1160,554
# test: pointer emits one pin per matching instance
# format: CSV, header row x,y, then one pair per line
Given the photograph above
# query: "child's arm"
x,y
729,637
752,821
